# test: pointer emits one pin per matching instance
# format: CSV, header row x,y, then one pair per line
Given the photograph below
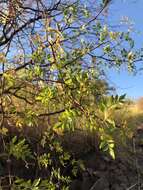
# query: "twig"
x,y
131,186
94,185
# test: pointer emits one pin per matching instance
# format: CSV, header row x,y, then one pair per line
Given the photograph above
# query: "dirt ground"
x,y
104,173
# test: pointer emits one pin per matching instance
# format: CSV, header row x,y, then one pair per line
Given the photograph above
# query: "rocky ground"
x,y
104,173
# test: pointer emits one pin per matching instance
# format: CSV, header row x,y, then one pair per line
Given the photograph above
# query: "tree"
x,y
53,55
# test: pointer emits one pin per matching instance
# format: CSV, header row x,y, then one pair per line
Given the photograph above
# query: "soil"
x,y
104,173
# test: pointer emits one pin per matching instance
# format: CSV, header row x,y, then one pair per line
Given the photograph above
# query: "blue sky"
x,y
123,81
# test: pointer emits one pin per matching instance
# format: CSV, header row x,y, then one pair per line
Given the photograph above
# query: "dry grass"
x,y
129,118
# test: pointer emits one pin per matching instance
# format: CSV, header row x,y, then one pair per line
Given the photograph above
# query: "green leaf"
x,y
36,182
112,153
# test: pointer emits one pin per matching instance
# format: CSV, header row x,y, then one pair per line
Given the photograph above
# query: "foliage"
x,y
53,56
49,158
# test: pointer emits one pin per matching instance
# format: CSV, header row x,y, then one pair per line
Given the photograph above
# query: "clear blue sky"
x,y
123,81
